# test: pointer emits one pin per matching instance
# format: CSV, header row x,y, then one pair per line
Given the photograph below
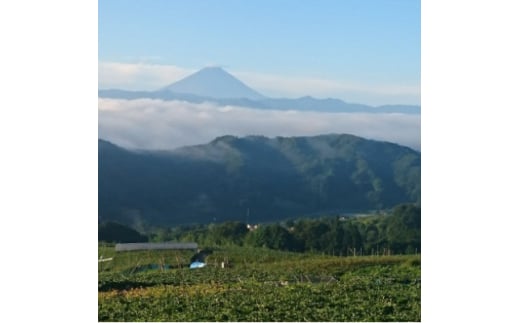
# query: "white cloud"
x,y
144,76
276,85
156,124
141,76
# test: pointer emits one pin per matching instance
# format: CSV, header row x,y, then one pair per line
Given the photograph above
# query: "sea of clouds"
x,y
157,124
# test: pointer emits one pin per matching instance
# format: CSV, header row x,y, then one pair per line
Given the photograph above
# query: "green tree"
x,y
403,230
271,236
312,234
231,232
115,232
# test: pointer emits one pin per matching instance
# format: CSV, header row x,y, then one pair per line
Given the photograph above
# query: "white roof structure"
x,y
157,246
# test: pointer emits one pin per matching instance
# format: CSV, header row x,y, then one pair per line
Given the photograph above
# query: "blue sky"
x,y
359,51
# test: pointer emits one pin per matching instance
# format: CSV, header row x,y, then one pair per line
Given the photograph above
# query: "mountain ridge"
x,y
213,84
274,177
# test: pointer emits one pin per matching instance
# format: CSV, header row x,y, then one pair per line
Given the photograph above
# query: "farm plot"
x,y
260,285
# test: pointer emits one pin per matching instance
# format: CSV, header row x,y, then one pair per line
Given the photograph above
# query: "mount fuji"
x,y
213,84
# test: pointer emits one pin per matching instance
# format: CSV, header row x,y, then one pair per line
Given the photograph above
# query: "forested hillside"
x,y
263,179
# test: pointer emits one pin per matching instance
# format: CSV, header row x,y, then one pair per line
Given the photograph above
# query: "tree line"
x,y
399,232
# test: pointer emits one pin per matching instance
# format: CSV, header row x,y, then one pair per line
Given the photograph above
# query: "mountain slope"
x,y
273,178
213,82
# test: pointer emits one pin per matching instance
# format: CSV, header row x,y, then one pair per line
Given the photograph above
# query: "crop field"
x,y
257,285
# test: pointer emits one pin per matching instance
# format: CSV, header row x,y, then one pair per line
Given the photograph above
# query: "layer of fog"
x,y
156,124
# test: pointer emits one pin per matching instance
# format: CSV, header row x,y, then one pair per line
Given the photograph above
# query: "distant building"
x,y
252,227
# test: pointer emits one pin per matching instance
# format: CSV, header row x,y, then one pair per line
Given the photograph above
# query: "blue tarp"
x,y
197,264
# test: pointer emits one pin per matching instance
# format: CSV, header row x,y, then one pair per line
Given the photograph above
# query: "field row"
x,y
360,300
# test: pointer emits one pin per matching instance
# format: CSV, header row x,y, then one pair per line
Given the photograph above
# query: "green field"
x,y
257,285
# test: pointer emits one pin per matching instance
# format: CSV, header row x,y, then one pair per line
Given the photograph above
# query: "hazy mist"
x,y
157,124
